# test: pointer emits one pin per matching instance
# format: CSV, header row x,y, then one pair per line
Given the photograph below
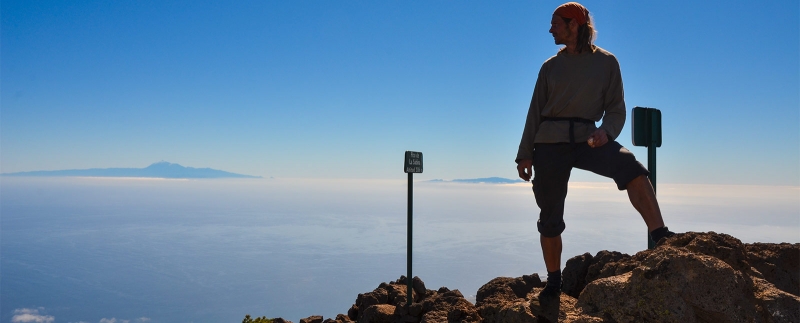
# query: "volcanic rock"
x,y
689,277
574,274
387,304
506,299
341,318
779,263
312,319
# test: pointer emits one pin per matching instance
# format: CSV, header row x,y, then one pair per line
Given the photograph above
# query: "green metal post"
x,y
410,218
651,161
651,165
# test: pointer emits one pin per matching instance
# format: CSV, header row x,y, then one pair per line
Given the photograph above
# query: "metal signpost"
x,y
646,124
412,164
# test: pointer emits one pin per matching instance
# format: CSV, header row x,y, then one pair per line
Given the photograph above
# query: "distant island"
x,y
485,180
157,170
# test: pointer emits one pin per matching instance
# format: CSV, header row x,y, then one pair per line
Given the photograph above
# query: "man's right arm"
x,y
526,144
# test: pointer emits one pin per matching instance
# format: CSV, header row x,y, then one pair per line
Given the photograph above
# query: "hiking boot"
x,y
550,292
659,234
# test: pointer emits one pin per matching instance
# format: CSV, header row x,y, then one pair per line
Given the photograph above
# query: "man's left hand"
x,y
598,138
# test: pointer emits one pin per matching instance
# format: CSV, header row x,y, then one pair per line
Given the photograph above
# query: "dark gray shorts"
x,y
552,165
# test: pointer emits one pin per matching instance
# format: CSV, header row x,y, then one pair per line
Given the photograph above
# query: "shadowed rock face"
x,y
312,319
387,304
779,263
690,277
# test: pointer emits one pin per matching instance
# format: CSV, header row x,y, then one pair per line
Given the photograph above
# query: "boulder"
x,y
341,318
448,306
506,299
387,303
584,269
774,304
312,319
779,263
672,286
380,313
573,276
609,263
691,277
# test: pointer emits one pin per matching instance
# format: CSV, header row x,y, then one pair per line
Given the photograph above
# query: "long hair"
x,y
586,35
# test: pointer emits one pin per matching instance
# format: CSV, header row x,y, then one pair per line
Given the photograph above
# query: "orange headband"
x,y
573,10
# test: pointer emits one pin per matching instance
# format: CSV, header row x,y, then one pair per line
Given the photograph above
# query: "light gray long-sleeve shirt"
x,y
587,86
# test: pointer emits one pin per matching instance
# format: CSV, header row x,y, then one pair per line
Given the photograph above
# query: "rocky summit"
x,y
690,277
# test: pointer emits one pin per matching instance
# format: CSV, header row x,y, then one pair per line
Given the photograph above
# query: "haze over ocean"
x,y
155,250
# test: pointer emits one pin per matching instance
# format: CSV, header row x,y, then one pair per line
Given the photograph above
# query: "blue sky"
x,y
342,88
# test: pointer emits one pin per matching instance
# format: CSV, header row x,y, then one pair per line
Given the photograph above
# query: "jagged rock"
x,y
448,306
505,299
573,276
381,313
584,269
609,263
352,313
502,289
340,318
774,304
518,311
398,294
280,320
415,310
692,277
312,319
779,263
720,246
672,286
562,311
387,303
386,294
418,286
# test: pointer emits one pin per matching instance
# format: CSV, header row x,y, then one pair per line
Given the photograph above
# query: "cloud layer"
x,y
30,315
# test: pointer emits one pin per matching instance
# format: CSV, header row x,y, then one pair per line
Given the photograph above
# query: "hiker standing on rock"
x,y
577,87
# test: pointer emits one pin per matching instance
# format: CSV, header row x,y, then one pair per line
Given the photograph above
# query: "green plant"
x,y
262,319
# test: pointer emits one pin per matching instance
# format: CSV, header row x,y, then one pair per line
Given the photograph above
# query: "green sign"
x,y
646,124
413,162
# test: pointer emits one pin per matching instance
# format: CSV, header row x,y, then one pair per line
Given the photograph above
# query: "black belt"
x,y
572,122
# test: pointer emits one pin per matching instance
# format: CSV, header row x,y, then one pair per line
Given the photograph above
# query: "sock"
x,y
554,279
659,234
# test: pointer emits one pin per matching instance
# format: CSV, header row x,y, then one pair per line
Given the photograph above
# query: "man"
x,y
577,87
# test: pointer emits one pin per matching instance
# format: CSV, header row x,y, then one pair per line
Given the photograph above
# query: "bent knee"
x,y
552,229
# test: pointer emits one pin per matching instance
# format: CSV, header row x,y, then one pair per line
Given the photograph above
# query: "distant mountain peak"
x,y
164,164
161,169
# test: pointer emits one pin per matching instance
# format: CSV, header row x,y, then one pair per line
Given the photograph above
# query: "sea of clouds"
x,y
115,250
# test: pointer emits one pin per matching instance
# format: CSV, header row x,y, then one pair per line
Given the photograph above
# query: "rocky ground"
x,y
690,277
